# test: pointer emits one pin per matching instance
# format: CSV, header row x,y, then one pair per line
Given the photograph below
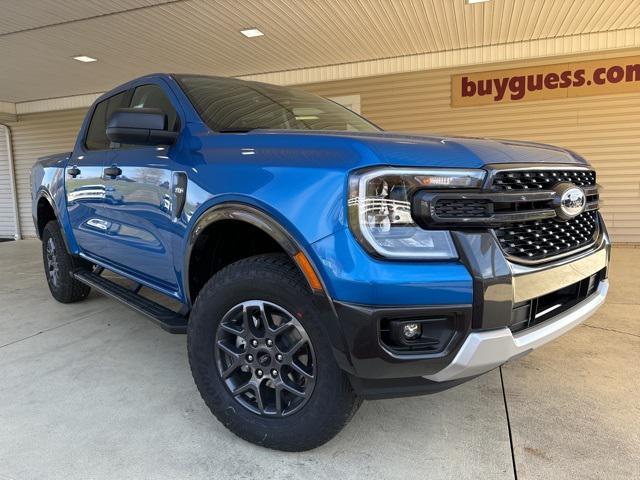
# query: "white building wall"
x,y
34,136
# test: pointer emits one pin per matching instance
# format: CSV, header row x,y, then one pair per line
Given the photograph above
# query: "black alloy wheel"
x,y
265,357
262,359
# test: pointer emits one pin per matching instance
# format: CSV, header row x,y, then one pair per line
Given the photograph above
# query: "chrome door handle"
x,y
73,171
113,171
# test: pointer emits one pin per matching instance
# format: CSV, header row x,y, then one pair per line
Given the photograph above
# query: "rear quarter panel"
x,y
47,179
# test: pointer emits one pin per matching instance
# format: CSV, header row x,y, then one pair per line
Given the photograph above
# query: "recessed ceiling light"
x,y
251,32
470,2
85,59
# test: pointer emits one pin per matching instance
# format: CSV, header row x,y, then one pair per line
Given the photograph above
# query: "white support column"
x,y
12,181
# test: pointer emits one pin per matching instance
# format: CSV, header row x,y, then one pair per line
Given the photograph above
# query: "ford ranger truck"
x,y
312,259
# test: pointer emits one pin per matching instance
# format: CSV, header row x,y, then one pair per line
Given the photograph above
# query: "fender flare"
x,y
254,216
259,218
44,193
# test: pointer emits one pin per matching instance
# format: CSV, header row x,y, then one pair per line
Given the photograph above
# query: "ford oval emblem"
x,y
570,201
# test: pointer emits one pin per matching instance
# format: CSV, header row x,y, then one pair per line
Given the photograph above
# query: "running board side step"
x,y
167,319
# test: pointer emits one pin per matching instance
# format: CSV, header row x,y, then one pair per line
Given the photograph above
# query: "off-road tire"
x,y
64,288
275,279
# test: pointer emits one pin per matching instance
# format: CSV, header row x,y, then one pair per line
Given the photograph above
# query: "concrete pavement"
x,y
94,390
574,404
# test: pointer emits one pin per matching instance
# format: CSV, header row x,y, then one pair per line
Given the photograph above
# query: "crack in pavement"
x,y
611,330
506,410
84,317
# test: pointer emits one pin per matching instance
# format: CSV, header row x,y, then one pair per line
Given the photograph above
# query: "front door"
x,y
140,201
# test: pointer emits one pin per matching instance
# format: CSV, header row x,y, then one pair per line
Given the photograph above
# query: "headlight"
x,y
380,210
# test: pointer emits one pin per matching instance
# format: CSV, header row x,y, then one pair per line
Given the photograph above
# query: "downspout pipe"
x,y
12,181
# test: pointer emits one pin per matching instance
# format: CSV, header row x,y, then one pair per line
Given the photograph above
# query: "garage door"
x,y
7,225
36,135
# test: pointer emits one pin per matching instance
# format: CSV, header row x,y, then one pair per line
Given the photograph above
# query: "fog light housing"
x,y
440,329
425,335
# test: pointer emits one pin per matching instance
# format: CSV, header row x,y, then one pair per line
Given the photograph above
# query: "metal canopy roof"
x,y
38,38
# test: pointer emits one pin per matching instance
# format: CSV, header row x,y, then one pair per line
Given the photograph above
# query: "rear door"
x,y
84,182
140,200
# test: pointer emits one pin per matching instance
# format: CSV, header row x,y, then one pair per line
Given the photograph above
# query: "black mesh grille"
x,y
522,209
539,180
540,239
454,208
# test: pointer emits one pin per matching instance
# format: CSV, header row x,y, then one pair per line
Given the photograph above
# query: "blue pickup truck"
x,y
312,259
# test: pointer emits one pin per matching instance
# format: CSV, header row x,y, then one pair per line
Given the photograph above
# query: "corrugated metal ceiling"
x,y
38,38
29,14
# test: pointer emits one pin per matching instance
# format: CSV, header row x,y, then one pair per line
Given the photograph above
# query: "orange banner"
x,y
549,82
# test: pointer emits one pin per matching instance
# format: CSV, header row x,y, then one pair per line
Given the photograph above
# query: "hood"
x,y
406,150
351,150
411,150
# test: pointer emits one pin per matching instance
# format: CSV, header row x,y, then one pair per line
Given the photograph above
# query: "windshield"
x,y
234,105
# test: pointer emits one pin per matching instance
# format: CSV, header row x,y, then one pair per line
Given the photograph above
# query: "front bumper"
x,y
483,336
484,351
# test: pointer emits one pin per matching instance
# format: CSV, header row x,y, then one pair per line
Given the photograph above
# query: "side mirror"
x,y
140,126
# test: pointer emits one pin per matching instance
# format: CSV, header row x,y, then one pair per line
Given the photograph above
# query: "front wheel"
x,y
261,359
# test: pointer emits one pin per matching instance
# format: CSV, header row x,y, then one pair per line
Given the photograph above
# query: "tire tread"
x,y
271,268
69,289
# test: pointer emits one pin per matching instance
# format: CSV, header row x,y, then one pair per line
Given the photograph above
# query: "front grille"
x,y
522,208
541,179
537,240
533,312
455,208
541,239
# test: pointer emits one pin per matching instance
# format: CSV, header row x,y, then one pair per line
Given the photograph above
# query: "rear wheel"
x,y
261,359
58,266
